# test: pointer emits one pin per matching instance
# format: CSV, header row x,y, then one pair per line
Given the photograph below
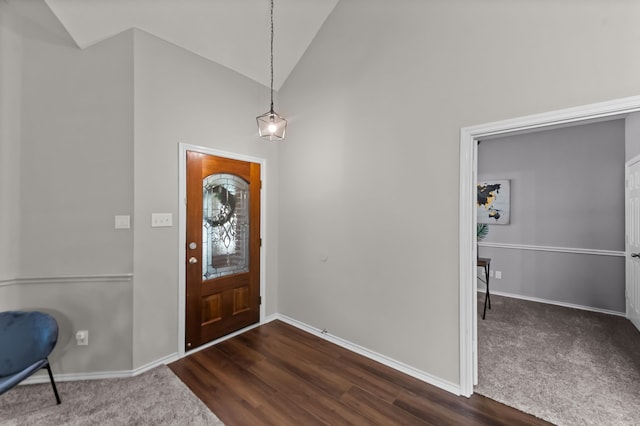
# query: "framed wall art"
x,y
494,202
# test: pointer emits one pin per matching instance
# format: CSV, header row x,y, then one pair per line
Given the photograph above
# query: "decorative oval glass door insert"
x,y
225,225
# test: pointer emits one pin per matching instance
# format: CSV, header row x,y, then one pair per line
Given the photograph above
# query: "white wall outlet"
x,y
123,222
498,275
82,337
159,220
490,272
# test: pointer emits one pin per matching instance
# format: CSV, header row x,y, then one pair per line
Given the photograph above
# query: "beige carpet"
x,y
156,397
567,366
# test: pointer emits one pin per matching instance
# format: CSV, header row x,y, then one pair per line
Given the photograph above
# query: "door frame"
x,y
627,282
182,238
469,137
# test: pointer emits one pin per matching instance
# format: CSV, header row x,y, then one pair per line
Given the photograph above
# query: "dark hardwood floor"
x,y
277,374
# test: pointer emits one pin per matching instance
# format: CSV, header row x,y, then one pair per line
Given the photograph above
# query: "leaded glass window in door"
x,y
225,225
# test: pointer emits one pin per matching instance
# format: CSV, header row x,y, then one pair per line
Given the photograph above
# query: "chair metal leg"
x,y
488,292
487,297
484,313
53,383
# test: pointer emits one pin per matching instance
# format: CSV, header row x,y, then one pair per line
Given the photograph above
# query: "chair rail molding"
x,y
554,249
67,279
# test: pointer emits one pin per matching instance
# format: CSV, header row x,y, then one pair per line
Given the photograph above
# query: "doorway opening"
x,y
469,137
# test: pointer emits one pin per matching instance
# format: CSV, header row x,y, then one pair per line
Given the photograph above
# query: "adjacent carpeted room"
x,y
567,366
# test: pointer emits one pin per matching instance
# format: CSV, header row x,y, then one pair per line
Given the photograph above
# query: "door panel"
x,y
632,249
223,247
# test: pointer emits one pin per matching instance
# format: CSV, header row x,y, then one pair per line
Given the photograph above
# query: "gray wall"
x,y
67,147
76,157
104,307
567,191
374,186
10,128
181,97
78,152
370,171
632,131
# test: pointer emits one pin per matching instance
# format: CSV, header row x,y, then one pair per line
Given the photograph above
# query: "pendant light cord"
x,y
271,55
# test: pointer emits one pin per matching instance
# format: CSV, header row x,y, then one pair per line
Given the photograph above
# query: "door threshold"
x,y
221,339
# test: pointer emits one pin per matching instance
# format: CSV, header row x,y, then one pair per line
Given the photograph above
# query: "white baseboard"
x,y
554,302
271,317
382,359
70,377
162,361
43,377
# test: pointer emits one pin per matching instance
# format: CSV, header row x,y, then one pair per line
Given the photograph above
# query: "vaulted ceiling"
x,y
233,33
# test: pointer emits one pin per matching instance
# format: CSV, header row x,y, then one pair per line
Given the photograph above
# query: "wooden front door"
x,y
223,247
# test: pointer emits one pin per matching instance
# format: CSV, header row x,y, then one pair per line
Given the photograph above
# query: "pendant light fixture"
x,y
271,126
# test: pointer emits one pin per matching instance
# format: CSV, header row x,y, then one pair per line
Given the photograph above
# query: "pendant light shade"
x,y
271,126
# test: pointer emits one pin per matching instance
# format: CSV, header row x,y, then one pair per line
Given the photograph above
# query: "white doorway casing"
x,y
182,237
469,136
632,239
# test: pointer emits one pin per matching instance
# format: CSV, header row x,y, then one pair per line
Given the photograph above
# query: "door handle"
x,y
193,260
635,254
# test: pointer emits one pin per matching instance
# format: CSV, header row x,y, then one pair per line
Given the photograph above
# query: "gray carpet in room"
x,y
157,397
567,366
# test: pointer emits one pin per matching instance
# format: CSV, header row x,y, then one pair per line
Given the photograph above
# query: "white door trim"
x,y
628,291
467,221
182,230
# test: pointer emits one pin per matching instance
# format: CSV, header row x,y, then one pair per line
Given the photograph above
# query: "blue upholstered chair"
x,y
26,340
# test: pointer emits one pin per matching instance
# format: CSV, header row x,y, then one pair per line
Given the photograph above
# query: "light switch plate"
x,y
123,222
160,220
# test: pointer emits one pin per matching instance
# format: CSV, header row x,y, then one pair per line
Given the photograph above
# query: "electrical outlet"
x,y
159,220
82,337
491,272
498,275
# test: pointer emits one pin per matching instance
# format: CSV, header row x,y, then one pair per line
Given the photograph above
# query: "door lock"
x,y
193,260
